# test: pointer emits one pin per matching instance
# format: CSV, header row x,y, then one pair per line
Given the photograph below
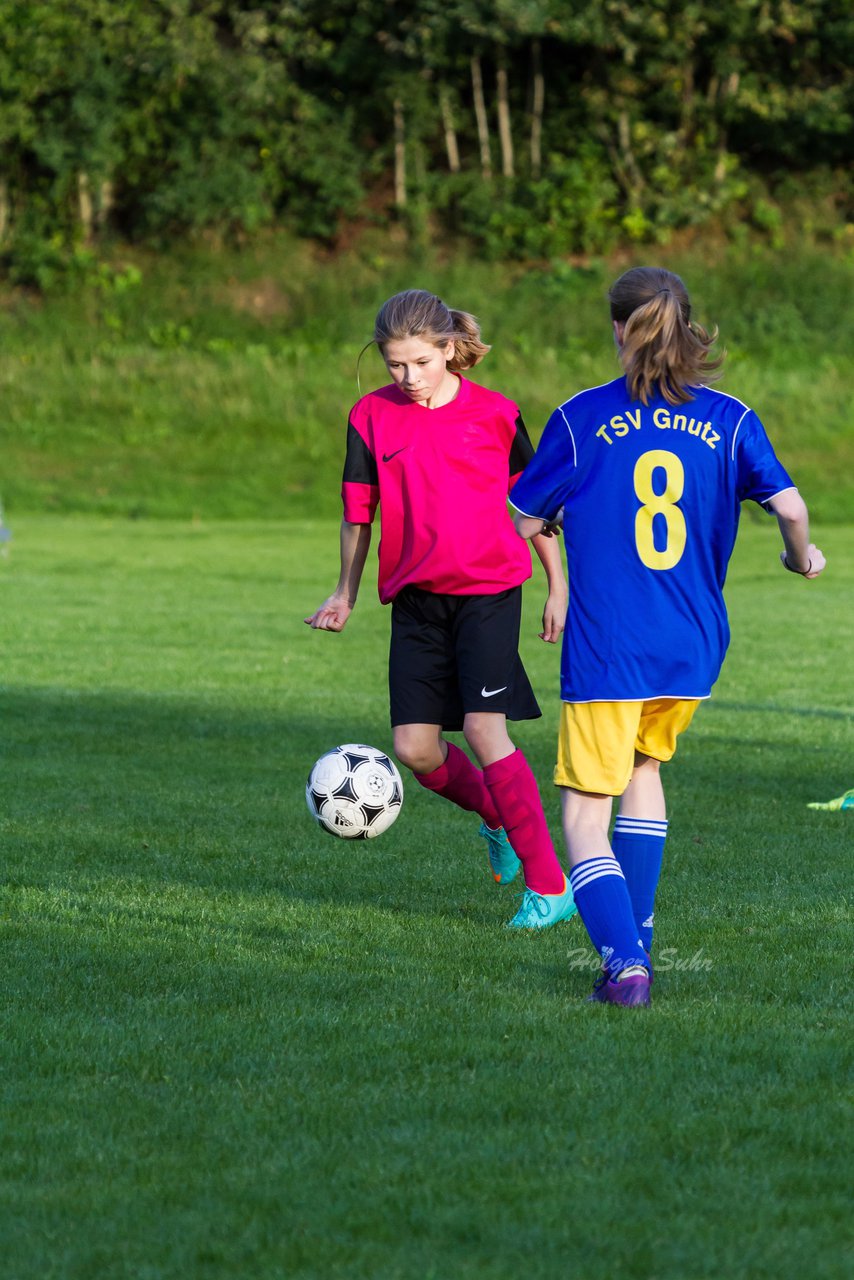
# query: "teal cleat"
x,y
503,861
542,910
845,801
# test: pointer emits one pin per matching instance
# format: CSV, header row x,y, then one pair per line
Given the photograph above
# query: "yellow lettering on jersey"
x,y
663,419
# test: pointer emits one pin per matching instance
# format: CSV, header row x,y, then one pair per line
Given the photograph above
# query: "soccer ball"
x,y
354,791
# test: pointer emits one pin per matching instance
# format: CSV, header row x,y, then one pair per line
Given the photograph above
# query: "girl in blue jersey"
x,y
648,473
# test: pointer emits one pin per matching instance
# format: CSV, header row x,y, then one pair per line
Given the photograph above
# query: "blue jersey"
x,y
651,497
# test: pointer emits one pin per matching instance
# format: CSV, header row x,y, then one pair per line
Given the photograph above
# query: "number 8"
x,y
663,504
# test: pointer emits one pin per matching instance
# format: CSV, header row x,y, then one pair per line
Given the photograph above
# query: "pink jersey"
x,y
441,477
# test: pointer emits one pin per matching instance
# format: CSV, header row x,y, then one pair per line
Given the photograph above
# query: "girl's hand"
x,y
815,560
332,614
554,617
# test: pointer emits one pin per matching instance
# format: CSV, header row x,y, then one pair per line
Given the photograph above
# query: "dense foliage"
x,y
536,127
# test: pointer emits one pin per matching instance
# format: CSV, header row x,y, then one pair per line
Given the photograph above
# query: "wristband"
x,y
801,572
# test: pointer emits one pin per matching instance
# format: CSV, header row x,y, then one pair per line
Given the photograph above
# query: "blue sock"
x,y
638,845
599,889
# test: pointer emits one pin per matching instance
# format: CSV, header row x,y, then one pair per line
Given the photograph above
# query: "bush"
x,y
572,209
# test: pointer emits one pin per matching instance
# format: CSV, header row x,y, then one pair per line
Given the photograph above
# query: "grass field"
x,y
235,1047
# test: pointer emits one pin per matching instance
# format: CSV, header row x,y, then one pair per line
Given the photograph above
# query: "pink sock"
x,y
461,782
514,790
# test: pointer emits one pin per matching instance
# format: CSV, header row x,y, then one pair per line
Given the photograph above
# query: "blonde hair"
x,y
663,351
415,313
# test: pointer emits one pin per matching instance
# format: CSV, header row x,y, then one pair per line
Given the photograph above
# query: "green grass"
x,y
218,384
233,1046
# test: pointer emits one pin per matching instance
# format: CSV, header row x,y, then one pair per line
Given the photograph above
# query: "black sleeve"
x,y
360,465
522,451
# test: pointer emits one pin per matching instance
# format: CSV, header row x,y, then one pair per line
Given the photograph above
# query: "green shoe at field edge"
x,y
845,801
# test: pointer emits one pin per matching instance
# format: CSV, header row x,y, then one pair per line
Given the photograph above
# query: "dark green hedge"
x,y
623,120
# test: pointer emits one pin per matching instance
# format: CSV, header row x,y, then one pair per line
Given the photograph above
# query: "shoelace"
x,y
533,904
494,843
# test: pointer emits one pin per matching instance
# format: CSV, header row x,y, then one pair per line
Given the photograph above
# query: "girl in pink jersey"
x,y
439,455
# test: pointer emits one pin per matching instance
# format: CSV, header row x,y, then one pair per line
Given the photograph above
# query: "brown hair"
x,y
663,352
415,313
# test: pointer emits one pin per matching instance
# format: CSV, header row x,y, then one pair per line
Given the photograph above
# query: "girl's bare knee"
x,y
486,734
420,751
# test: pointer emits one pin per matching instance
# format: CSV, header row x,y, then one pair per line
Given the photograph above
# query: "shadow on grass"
x,y
211,794
144,773
165,832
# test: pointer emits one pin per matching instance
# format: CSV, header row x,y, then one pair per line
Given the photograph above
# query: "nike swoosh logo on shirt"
x,y
387,457
490,693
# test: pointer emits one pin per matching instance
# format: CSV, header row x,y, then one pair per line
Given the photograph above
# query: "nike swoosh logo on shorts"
x,y
490,693
387,457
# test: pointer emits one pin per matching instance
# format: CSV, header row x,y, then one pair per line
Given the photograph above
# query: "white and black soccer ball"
x,y
354,791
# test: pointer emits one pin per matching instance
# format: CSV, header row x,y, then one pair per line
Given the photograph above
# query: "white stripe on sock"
x,y
623,820
594,869
641,827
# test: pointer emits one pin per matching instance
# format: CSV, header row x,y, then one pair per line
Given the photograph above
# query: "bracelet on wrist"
x,y
801,572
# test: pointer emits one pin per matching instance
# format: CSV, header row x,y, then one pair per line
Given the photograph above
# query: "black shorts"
x,y
453,654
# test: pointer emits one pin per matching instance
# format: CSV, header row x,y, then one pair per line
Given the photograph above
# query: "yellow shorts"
x,y
597,741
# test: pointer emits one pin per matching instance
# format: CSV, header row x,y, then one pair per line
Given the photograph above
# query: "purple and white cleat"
x,y
632,991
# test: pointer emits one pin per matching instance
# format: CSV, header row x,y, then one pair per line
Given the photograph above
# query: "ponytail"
x,y
469,350
663,351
